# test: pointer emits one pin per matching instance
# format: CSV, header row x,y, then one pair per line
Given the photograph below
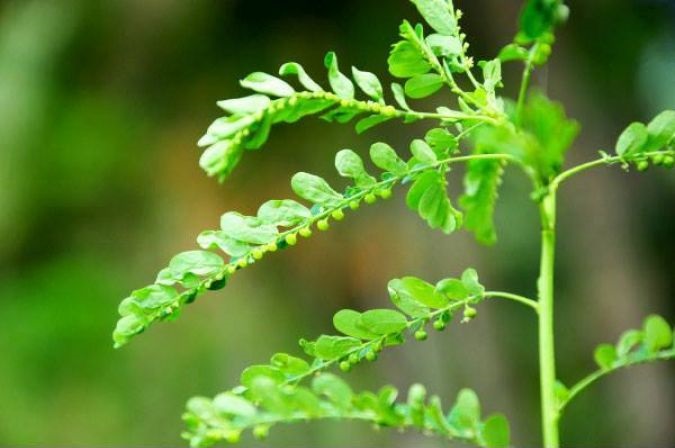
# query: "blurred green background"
x,y
101,104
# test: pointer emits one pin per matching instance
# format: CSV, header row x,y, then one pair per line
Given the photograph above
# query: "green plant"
x,y
531,133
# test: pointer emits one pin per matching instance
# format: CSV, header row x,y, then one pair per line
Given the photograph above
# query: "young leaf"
x,y
513,52
315,189
293,68
247,229
628,341
283,212
370,122
385,158
453,289
437,15
658,334
605,355
496,432
421,86
369,83
333,347
428,197
197,262
631,140
661,130
384,321
289,365
399,95
423,152
419,291
441,141
465,415
445,46
405,301
340,84
349,164
405,60
246,105
481,182
334,388
268,84
349,323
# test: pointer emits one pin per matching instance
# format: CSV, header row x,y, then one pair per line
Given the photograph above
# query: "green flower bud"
x,y
257,253
657,159
439,325
354,204
642,165
231,269
385,193
353,358
469,313
421,335
338,214
242,262
291,239
272,247
371,356
668,161
370,198
345,366
322,224
305,232
261,432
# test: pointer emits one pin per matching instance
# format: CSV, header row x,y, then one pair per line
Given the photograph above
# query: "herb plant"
x,y
479,129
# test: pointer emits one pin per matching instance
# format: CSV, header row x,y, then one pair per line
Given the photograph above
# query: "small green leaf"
x,y
247,228
428,197
264,83
383,321
399,96
658,334
496,431
369,83
349,323
283,212
370,122
661,130
492,74
437,15
385,158
340,84
421,86
453,289
255,372
334,388
220,158
513,52
234,405
333,347
423,152
212,239
405,301
445,46
420,291
441,141
628,341
471,283
315,189
293,68
632,139
349,164
405,60
605,355
481,184
246,105
465,414
536,18
197,262
289,365
562,393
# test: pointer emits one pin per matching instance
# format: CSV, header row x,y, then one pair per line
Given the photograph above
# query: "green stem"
x,y
525,82
593,377
515,297
549,412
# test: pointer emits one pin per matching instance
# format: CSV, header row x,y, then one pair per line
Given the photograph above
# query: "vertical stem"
x,y
549,412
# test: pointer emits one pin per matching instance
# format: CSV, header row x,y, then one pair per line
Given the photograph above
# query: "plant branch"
x,y
605,160
525,82
593,377
514,297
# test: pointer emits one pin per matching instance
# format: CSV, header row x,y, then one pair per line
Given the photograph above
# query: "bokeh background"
x,y
101,104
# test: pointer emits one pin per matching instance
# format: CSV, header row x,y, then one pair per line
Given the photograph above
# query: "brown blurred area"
x,y
101,104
